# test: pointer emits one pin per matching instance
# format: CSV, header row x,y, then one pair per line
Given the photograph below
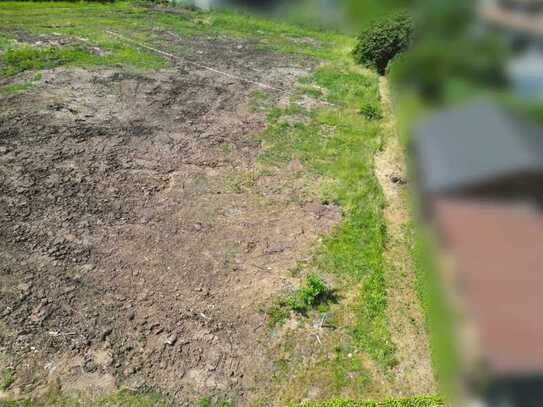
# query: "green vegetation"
x,y
383,40
208,402
278,312
122,398
313,293
7,379
5,42
335,140
371,328
84,26
16,88
448,55
240,182
338,144
435,68
20,87
29,58
439,316
363,13
421,401
372,111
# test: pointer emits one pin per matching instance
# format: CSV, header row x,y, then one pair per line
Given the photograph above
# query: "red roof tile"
x,y
498,256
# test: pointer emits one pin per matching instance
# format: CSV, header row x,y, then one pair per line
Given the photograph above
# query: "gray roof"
x,y
475,144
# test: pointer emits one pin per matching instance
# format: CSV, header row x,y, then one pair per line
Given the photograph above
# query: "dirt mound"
x,y
138,236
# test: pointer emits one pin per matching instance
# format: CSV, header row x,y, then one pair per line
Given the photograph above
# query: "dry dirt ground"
x,y
404,312
138,233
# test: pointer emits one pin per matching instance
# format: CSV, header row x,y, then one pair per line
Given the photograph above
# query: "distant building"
x,y
482,151
481,175
520,22
520,18
207,4
525,72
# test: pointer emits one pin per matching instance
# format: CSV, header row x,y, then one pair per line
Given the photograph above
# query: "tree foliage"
x,y
382,40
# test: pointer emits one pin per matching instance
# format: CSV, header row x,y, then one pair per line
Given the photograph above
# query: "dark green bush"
x,y
383,40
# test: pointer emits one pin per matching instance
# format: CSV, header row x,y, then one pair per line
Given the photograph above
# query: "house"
x,y
520,23
480,173
263,4
483,150
521,18
525,72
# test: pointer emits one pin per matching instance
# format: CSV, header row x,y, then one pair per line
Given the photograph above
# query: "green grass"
x,y
5,42
20,87
208,402
21,59
122,398
338,144
7,379
420,401
439,315
240,182
15,88
85,25
335,142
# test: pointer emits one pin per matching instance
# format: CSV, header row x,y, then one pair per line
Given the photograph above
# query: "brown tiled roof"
x,y
498,257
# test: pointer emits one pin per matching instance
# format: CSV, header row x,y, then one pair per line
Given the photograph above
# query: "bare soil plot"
x,y
159,220
138,235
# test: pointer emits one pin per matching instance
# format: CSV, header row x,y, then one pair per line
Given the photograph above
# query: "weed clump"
x,y
313,292
278,312
371,111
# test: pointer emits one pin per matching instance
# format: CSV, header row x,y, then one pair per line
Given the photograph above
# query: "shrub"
x,y
383,40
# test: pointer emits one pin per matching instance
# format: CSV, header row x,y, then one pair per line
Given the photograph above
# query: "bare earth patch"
x,y
138,233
